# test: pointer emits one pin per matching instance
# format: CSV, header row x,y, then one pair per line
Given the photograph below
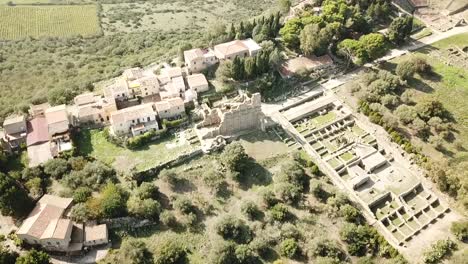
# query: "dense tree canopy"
x,y
14,200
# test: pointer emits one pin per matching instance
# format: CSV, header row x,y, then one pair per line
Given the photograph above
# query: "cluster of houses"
x,y
48,226
130,104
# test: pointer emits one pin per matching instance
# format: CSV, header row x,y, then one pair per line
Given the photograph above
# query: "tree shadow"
x,y
419,85
254,174
184,186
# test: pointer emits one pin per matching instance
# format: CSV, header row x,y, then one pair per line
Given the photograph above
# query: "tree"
x,y
80,212
280,212
400,29
405,70
284,5
438,251
56,168
171,252
430,107
93,175
245,255
326,248
289,248
34,257
7,256
231,228
133,251
351,214
183,47
275,58
223,253
14,201
238,69
184,205
234,157
250,67
374,45
406,114
113,201
290,32
147,190
460,230
249,209
360,238
168,219
309,39
82,194
225,71
353,50
214,180
144,208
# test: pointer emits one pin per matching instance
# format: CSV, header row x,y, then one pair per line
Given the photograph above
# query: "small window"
x,y
107,118
57,243
48,243
149,119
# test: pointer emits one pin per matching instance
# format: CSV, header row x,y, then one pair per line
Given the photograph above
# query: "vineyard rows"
x,y
48,21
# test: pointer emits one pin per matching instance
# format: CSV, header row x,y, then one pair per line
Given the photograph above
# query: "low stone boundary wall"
x,y
128,221
147,174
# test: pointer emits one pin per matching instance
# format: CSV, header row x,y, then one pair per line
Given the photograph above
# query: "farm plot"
x,y
48,21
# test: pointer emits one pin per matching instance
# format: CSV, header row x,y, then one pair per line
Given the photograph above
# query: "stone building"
x,y
240,115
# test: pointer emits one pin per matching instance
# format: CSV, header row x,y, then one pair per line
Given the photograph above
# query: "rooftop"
x,y
56,114
196,80
14,119
172,72
95,232
192,54
233,47
86,98
37,131
132,113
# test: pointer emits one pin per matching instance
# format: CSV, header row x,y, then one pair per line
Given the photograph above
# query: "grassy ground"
x,y
261,146
93,143
450,86
48,21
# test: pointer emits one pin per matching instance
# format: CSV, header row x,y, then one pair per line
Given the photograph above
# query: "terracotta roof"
x,y
171,72
196,80
43,221
132,113
190,55
37,131
230,48
95,232
56,114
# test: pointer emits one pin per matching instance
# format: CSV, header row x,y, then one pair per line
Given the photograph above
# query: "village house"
x,y
38,110
57,120
170,108
92,109
132,74
145,86
237,48
37,141
197,82
14,132
47,227
175,88
197,60
134,120
118,89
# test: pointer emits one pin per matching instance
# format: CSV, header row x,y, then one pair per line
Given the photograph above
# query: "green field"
x,y
48,21
93,143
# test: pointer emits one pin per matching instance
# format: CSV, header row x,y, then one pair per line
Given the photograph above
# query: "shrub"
x,y
460,230
438,251
34,257
327,248
249,209
234,229
280,212
113,201
144,208
171,252
184,205
169,176
289,248
82,194
56,168
223,253
80,212
288,192
167,218
351,214
147,190
234,157
141,140
360,239
245,255
268,197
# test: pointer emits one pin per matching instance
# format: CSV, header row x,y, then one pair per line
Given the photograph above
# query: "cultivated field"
x,y
48,21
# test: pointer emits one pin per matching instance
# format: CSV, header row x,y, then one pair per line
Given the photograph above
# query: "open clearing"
x,y
93,143
48,21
